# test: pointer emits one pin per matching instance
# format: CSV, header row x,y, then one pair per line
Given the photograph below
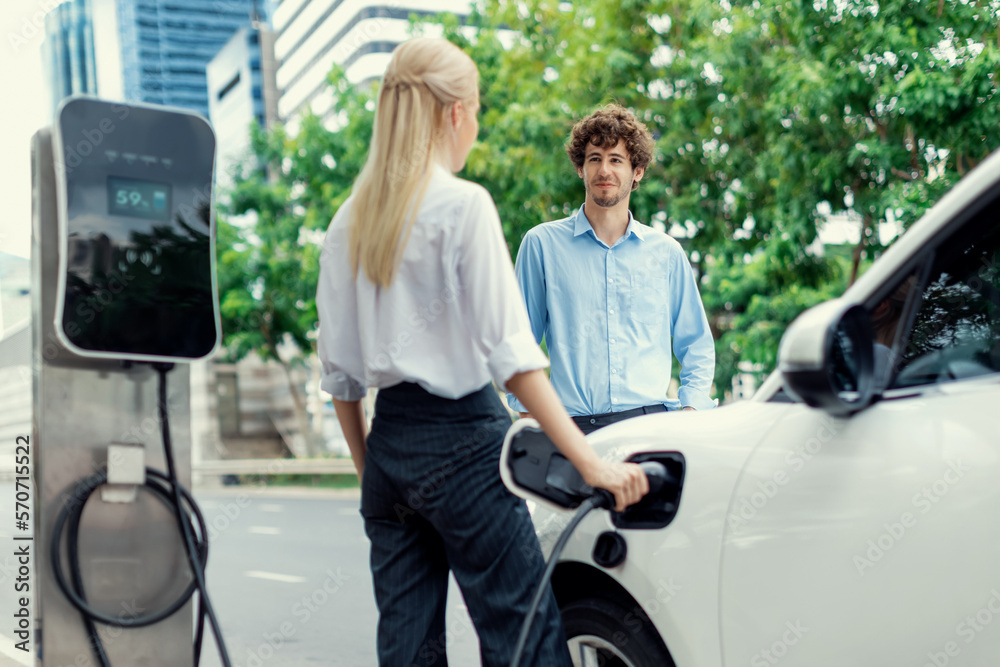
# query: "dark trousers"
x,y
433,502
590,423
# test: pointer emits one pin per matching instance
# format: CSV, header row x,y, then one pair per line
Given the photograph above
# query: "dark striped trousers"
x,y
433,502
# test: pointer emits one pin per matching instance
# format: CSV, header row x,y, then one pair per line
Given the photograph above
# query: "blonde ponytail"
x,y
425,77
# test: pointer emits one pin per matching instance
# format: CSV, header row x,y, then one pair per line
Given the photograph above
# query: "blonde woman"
x,y
417,297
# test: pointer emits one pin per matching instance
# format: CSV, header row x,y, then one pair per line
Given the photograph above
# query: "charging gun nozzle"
x,y
657,475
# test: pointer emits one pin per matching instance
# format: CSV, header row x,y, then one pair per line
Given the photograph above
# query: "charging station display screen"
x,y
138,199
137,260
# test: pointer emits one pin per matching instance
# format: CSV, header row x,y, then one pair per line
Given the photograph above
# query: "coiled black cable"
x,y
170,491
156,482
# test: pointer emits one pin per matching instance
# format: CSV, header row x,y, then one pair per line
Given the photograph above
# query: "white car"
x,y
848,514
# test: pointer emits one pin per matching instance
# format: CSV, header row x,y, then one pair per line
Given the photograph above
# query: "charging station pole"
x,y
92,413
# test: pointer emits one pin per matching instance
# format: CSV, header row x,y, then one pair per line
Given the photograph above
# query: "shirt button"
x,y
610,281
612,341
614,400
612,311
614,371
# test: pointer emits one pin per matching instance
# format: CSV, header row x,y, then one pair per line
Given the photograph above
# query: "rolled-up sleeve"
x,y
339,344
337,383
496,318
693,344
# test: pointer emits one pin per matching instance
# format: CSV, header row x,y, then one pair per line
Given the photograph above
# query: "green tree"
x,y
769,116
793,108
544,65
284,196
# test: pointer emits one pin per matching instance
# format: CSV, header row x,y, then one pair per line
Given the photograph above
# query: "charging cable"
x,y
170,491
657,475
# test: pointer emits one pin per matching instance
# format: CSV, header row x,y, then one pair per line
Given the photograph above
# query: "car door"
x,y
874,539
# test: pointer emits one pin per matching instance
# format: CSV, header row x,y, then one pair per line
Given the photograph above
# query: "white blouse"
x,y
452,319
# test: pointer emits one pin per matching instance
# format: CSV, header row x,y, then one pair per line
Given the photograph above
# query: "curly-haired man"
x,y
611,296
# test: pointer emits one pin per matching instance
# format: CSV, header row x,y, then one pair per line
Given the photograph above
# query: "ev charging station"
x,y
123,288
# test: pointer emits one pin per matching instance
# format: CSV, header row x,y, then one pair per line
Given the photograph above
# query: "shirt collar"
x,y
582,225
438,169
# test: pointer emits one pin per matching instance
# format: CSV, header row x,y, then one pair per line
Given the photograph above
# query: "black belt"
x,y
613,417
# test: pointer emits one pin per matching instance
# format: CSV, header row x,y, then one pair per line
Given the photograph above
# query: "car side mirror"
x,y
826,358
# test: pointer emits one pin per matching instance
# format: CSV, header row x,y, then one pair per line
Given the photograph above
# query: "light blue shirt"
x,y
610,317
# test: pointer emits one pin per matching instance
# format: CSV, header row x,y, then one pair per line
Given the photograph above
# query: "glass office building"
x,y
241,91
68,59
151,51
358,35
166,45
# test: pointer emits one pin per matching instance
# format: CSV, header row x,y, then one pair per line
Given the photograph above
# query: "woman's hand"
x,y
351,415
626,481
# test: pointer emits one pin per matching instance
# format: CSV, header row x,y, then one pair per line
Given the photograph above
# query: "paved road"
x,y
288,575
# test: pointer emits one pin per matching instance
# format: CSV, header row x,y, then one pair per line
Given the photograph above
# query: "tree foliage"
x,y
796,110
769,116
284,196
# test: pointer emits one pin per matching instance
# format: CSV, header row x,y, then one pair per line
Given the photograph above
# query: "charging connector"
x,y
658,477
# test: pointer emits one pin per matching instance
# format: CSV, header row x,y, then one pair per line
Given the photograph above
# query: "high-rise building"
x,y
166,44
358,35
68,59
241,91
140,50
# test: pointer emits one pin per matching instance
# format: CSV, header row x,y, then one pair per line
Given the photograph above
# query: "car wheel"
x,y
603,633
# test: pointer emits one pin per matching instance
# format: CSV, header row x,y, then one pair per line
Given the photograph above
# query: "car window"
x,y
888,317
955,333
